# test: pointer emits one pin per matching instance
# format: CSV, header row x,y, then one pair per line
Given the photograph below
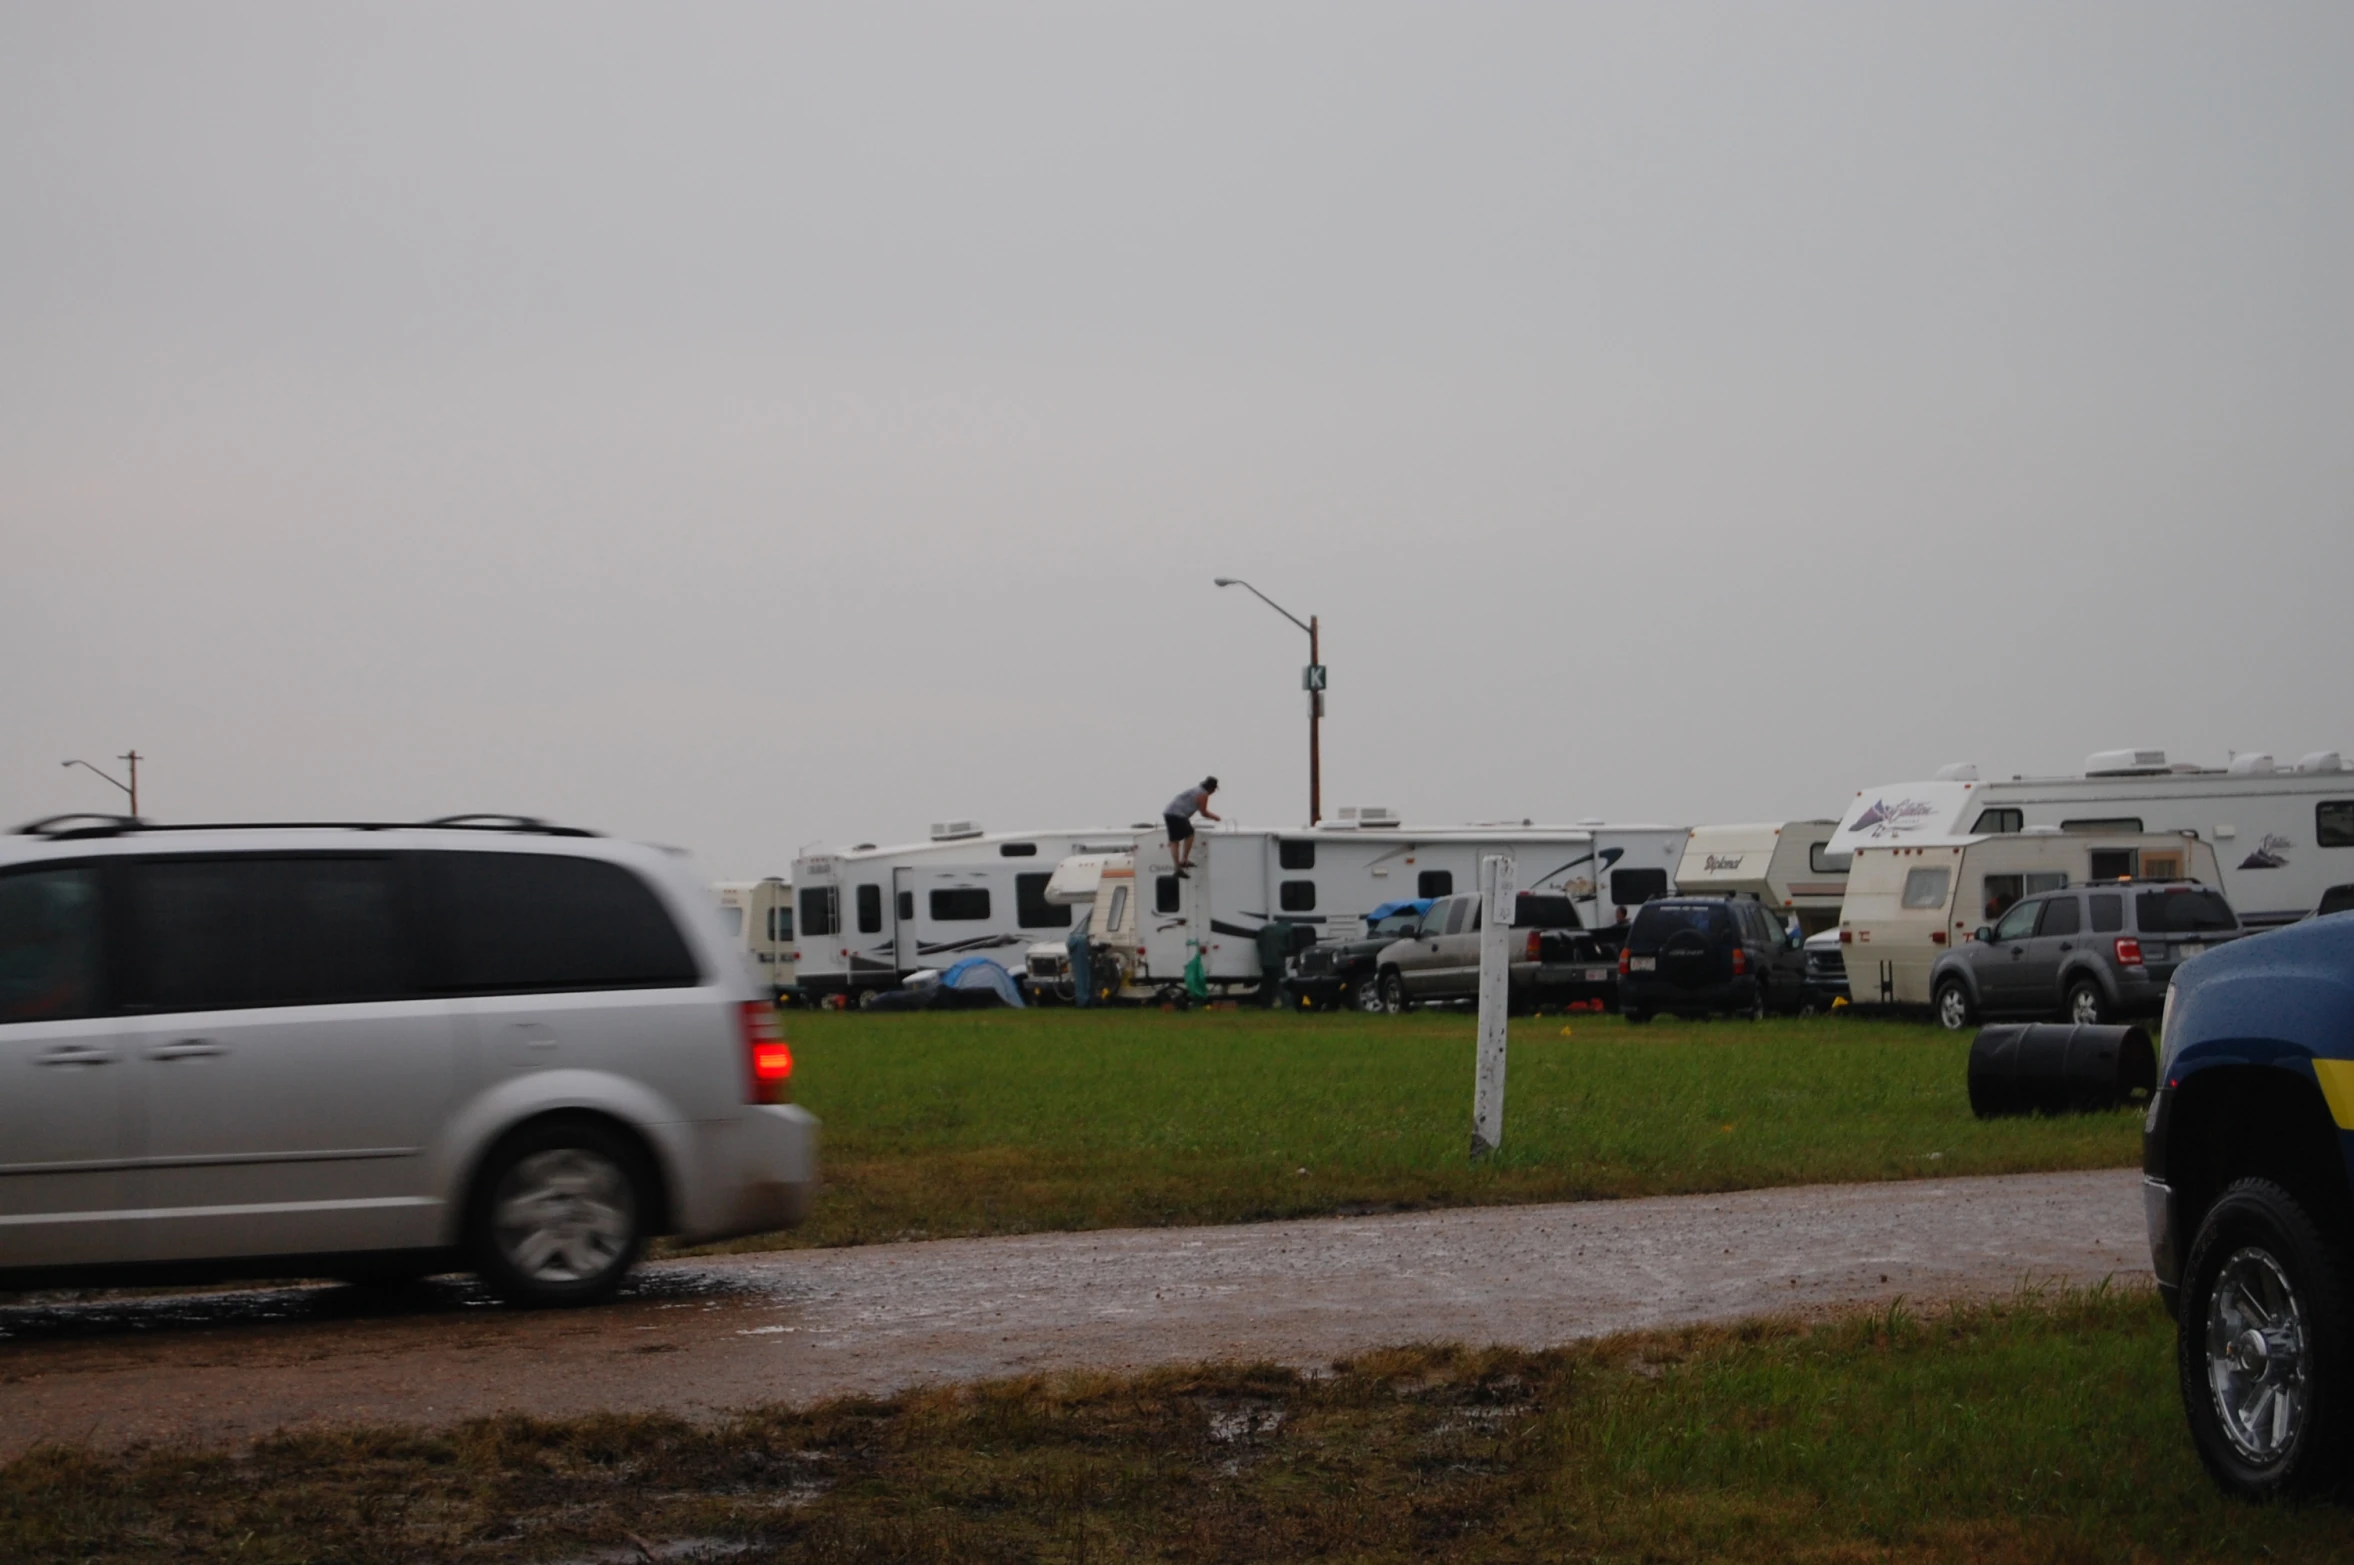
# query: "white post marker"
x,y
1495,993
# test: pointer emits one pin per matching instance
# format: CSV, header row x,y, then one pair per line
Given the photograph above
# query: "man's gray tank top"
x,y
1186,803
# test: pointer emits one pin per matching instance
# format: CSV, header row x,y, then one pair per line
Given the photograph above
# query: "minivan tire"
x,y
560,1213
1955,1013
2265,1291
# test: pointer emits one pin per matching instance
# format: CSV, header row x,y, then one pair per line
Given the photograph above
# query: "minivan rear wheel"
x,y
560,1214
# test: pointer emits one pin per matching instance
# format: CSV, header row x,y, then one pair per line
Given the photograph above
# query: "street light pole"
x,y
1312,680
131,787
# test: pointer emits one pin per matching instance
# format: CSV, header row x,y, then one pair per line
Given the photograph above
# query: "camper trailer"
x,y
1787,865
868,916
1910,901
1328,878
758,915
2282,835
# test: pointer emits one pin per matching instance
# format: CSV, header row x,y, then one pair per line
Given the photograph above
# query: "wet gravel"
x,y
698,1337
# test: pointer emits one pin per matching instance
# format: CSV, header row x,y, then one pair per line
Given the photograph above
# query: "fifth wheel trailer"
x,y
1787,865
759,918
2282,835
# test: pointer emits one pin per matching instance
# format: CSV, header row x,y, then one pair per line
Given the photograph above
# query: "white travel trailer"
x,y
1787,865
1330,877
868,916
2282,835
1911,901
758,915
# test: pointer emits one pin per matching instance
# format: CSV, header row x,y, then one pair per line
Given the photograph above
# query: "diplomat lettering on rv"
x,y
1722,861
1887,820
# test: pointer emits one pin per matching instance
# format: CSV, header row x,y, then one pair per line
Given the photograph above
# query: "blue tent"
x,y
979,974
1418,904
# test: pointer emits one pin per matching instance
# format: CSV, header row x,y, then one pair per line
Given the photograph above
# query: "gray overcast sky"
x,y
745,426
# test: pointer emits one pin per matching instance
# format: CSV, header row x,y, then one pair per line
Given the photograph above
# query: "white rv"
x,y
2282,835
868,916
1911,900
758,916
1330,877
1787,865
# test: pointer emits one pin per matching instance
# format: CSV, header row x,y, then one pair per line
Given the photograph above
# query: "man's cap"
x,y
1210,783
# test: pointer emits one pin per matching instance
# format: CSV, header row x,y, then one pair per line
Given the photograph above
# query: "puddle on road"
x,y
69,1314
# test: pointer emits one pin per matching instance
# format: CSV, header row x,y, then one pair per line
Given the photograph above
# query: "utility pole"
x,y
1312,679
131,787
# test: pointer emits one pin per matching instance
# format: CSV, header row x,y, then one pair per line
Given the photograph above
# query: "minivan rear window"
x,y
2182,912
522,923
254,930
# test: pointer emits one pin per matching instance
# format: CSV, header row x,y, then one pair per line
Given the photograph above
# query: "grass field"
x,y
2041,1430
1011,1121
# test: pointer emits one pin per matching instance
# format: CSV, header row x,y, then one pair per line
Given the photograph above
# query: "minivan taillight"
x,y
2128,951
1740,961
768,1062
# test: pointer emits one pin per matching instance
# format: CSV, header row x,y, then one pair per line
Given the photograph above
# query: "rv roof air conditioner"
x,y
2124,763
954,831
1957,771
2039,831
1367,815
2253,764
2321,761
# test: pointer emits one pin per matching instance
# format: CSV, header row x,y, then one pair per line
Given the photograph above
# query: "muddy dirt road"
x,y
696,1337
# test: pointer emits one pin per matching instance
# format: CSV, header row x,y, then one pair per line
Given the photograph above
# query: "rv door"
x,y
901,913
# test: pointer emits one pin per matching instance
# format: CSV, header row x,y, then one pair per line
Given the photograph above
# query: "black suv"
x,y
2088,955
1706,955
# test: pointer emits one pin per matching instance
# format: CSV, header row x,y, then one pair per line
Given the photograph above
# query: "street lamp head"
x,y
1225,581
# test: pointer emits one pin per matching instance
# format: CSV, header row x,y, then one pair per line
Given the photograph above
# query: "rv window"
x,y
1926,887
1165,894
2061,916
2333,823
733,918
1821,860
906,901
960,904
1032,910
2161,866
1017,850
2047,880
2182,912
1630,887
1292,854
1994,822
817,911
1119,910
2108,912
1297,896
2338,899
782,917
225,934
1434,883
2001,892
2018,923
522,922
2115,863
2119,825
49,959
870,910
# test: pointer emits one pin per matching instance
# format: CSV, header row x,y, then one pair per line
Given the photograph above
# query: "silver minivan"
x,y
376,1052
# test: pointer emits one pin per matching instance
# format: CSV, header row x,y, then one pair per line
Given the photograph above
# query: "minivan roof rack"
x,y
63,827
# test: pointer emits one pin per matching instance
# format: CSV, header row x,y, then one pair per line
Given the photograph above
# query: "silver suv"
x,y
2089,954
375,1052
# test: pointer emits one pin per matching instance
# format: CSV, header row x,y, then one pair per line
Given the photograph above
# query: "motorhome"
x,y
1787,865
758,915
868,916
2282,835
1328,878
1910,900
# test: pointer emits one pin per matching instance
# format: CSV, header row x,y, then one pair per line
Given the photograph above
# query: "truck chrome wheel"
x,y
565,1215
1368,997
2257,1355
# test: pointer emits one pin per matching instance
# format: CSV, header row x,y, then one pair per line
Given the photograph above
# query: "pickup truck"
x,y
1555,959
1336,973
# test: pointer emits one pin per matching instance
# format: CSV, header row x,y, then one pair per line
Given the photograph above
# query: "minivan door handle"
x,y
186,1049
76,1054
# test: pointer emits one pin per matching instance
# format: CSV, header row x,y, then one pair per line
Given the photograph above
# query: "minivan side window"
x,y
1032,910
1926,887
870,910
817,910
49,946
251,930
529,923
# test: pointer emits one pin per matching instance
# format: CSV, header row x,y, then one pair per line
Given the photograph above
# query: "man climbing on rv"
x,y
1180,814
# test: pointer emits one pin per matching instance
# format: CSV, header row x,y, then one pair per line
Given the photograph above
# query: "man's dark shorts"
x,y
1179,827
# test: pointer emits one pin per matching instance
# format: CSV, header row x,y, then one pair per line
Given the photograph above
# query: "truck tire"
x,y
1393,993
559,1213
2261,1346
1366,996
1954,1011
2087,1006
